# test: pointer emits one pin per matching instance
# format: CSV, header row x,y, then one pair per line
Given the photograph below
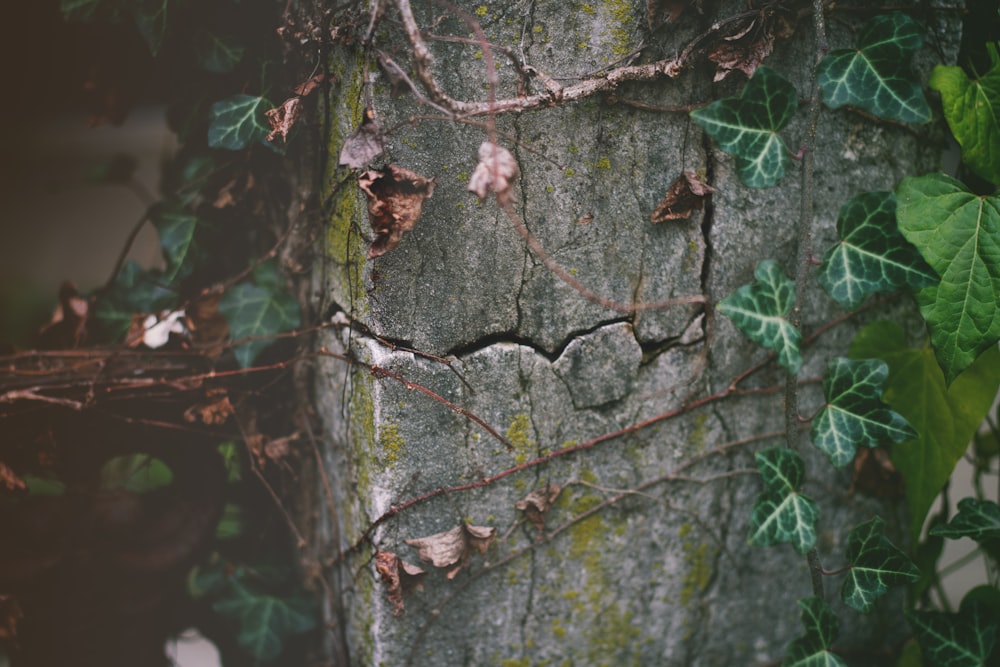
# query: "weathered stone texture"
x,y
662,575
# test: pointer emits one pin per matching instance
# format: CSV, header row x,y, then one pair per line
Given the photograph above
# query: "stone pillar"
x,y
642,557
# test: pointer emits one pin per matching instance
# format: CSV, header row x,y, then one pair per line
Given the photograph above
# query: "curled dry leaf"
x,y
686,195
283,118
10,480
399,575
395,200
495,172
214,412
537,503
746,47
68,326
875,476
454,547
309,85
364,145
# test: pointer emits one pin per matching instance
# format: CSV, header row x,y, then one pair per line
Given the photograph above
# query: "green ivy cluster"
x,y
932,236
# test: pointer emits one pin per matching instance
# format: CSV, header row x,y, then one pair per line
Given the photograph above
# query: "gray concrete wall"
x,y
662,575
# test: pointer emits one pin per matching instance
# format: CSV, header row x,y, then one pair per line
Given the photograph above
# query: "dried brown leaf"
x,y
10,616
874,474
10,480
68,326
364,145
537,503
309,85
495,172
747,45
395,200
454,547
215,412
283,118
209,329
399,575
686,195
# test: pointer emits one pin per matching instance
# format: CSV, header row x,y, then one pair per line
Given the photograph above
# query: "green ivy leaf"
x,y
257,311
781,513
759,310
876,77
265,621
972,109
822,628
238,121
945,417
855,415
150,18
79,10
217,53
135,290
965,639
176,227
872,255
747,126
958,233
978,519
876,565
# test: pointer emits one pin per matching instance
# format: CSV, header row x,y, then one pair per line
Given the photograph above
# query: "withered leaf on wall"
x,y
454,547
399,575
749,44
537,503
395,199
364,145
283,118
495,172
686,195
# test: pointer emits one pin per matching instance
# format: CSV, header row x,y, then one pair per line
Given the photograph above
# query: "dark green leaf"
x,y
218,54
265,621
781,513
176,227
759,310
747,126
958,233
138,473
972,109
238,121
855,415
79,10
945,417
978,519
821,630
150,18
872,255
876,76
259,312
876,565
965,639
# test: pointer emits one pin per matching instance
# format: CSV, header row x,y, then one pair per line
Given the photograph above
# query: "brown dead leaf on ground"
x,y
215,412
495,172
309,85
454,547
686,195
364,145
283,118
395,200
10,480
537,503
400,576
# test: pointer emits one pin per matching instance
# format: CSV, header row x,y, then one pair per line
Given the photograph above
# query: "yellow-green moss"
x,y
623,20
391,444
570,172
698,559
518,435
588,9
603,163
697,438
481,10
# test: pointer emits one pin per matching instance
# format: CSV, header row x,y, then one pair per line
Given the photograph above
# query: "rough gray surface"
x,y
643,557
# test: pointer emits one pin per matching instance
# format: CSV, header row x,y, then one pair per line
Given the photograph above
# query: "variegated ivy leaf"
x,y
872,255
958,233
258,311
238,121
747,126
781,513
822,627
854,414
876,76
759,310
972,109
876,565
978,519
965,639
